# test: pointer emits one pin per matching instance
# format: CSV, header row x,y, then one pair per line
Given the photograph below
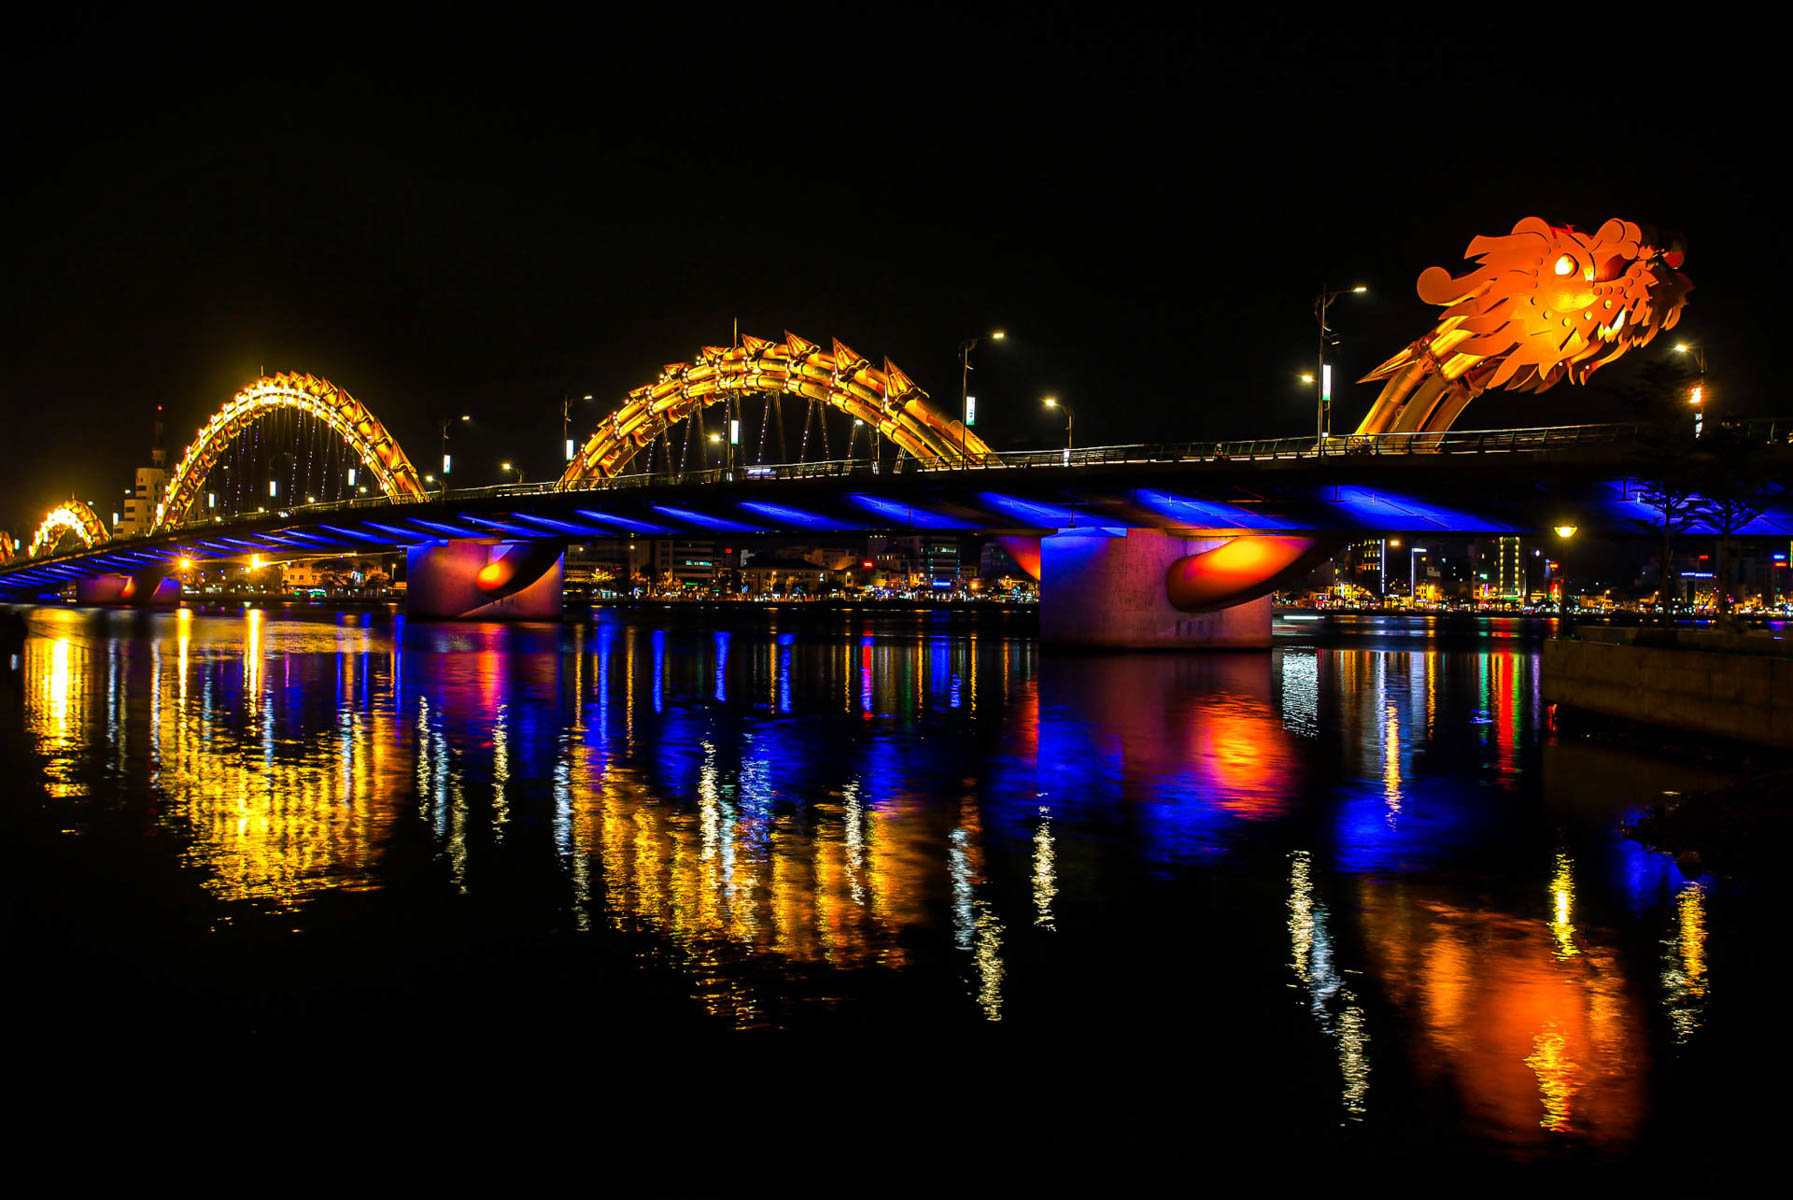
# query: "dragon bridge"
x,y
361,431
886,400
69,517
1544,303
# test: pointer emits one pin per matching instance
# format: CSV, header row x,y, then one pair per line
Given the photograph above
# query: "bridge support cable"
x,y
885,400
766,402
258,439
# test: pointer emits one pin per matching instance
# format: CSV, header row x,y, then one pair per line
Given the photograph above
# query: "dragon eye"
x,y
1565,265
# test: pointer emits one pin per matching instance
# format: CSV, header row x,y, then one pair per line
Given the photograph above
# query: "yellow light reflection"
x,y
1556,1073
1684,962
1332,1003
1301,915
988,958
271,822
727,879
59,684
252,655
1562,906
1391,762
501,773
1045,869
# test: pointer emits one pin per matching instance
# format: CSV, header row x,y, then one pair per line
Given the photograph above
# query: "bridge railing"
x,y
1468,441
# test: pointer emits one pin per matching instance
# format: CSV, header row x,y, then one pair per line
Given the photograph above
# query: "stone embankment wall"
x,y
1745,692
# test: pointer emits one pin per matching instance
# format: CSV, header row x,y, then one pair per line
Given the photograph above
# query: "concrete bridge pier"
x,y
485,580
145,589
1108,589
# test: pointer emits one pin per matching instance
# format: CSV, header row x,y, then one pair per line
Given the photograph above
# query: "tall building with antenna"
x,y
148,490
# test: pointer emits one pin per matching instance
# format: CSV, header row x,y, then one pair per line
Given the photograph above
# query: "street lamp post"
x,y
1323,376
566,415
1070,418
965,349
508,467
1413,557
446,461
1698,395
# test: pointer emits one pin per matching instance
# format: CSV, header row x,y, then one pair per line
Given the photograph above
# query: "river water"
x,y
1356,886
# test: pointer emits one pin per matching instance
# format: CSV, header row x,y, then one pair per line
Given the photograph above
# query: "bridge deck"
x,y
1520,481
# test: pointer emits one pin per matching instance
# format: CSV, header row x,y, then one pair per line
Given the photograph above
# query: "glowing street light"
x,y
447,462
1565,531
965,414
507,467
1323,405
1070,418
1697,396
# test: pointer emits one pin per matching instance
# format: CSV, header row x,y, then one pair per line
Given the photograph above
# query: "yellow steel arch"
x,y
316,397
6,547
71,516
887,401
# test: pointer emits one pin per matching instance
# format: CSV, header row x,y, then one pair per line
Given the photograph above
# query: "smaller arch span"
x,y
6,547
71,516
318,398
887,400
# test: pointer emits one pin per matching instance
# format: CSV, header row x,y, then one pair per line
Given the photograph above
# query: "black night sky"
x,y
463,220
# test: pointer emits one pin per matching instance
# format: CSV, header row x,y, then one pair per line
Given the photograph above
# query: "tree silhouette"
x,y
1733,481
1674,502
1663,464
1660,391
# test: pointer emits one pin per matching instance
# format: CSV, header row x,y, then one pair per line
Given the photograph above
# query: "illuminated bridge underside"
x,y
1333,498
318,398
887,401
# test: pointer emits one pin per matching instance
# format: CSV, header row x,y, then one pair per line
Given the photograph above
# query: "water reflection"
x,y
1045,871
1332,1003
1684,962
809,818
1537,1042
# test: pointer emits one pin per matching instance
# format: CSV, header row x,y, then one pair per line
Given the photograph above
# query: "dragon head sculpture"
x,y
1546,303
